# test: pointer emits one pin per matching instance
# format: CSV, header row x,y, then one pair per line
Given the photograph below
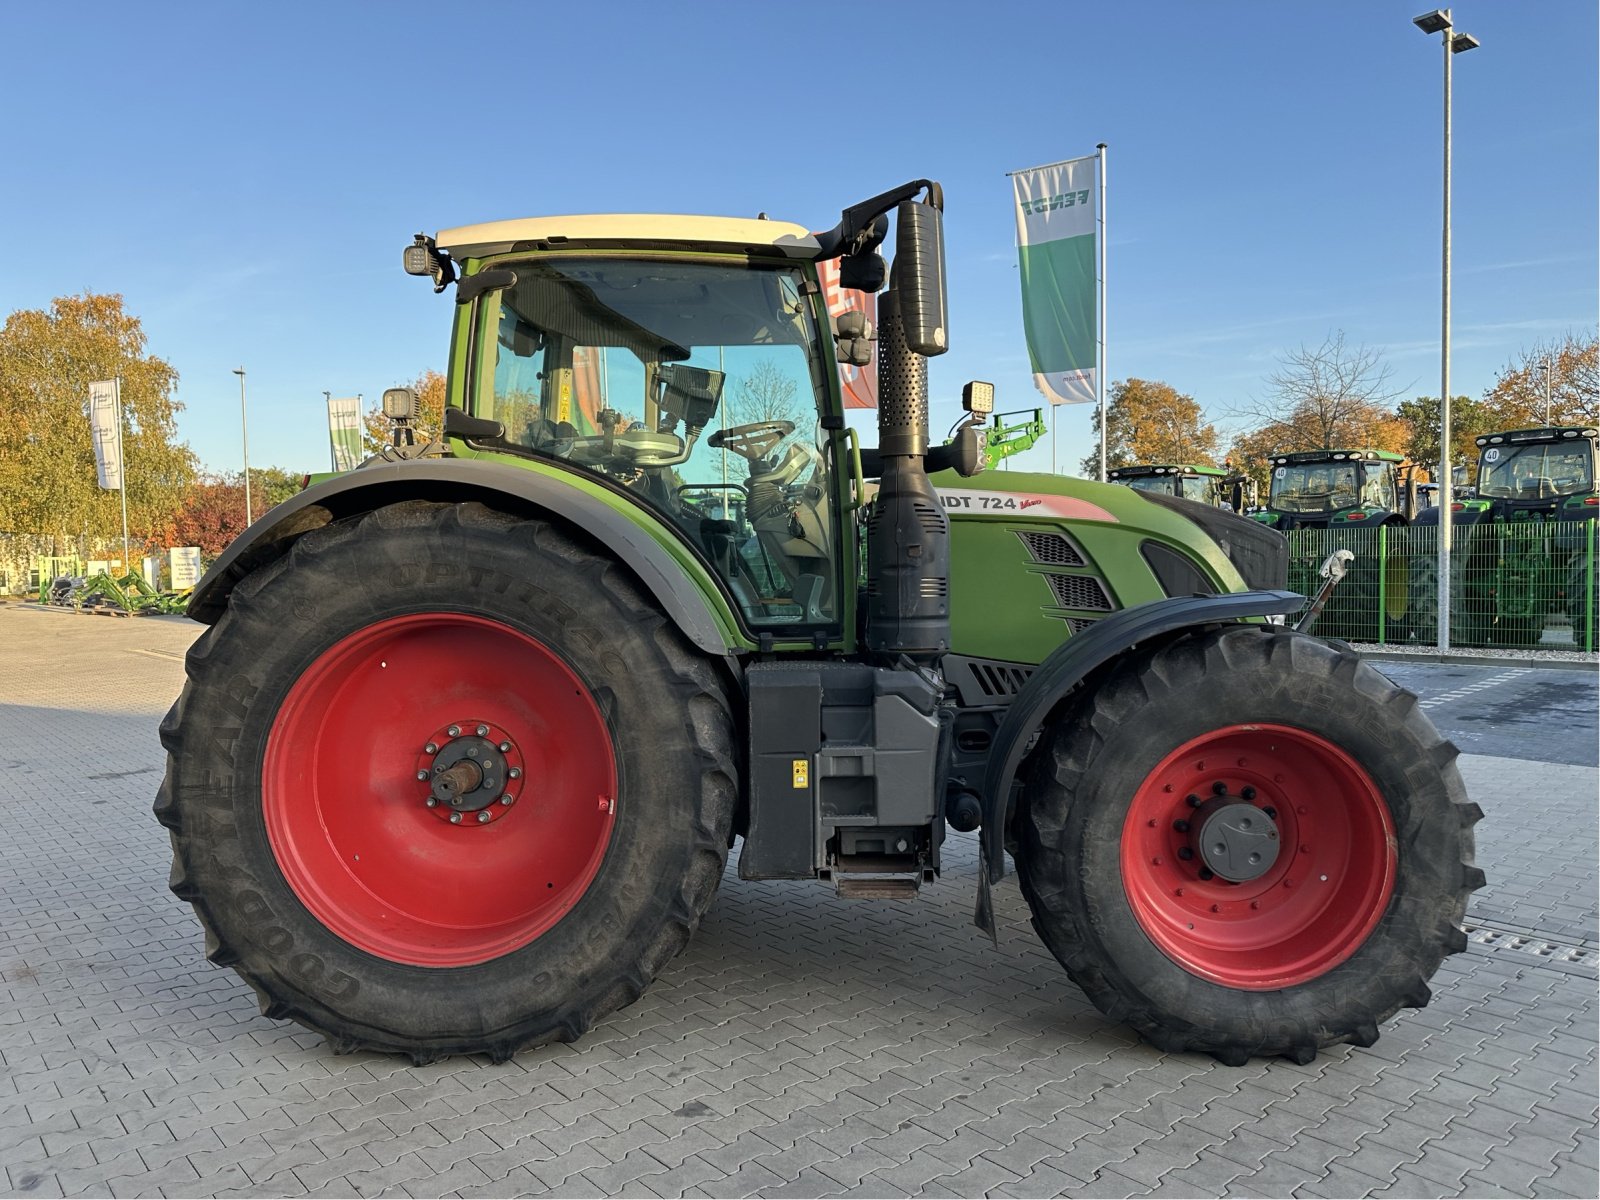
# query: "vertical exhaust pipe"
x,y
908,534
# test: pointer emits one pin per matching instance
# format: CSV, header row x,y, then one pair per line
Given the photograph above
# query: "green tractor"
x,y
1354,492
1215,486
462,756
1522,554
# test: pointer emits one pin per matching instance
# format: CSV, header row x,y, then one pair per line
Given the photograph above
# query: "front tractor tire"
x,y
1248,843
446,781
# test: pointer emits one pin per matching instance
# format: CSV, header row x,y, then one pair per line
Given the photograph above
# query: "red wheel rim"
x,y
1312,908
348,818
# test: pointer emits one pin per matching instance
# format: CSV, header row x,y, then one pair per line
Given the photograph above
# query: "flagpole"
x,y
1100,373
122,470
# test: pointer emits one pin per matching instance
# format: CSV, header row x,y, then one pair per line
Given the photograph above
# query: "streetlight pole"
x,y
1438,21
244,432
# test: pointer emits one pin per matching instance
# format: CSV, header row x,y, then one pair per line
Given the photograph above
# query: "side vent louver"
x,y
1051,549
1080,591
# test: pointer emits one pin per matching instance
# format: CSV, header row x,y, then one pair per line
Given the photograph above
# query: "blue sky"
x,y
246,176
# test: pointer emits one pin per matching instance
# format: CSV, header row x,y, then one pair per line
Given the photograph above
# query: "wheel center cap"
x,y
471,773
1238,841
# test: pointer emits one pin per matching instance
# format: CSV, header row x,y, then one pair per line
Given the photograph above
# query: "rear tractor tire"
x,y
445,781
1248,843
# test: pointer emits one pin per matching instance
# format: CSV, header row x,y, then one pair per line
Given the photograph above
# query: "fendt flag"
x,y
1056,255
344,431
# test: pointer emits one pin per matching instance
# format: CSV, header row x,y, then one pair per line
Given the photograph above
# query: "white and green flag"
x,y
105,420
344,431
1056,254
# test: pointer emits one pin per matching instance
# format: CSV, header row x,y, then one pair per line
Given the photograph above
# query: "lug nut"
x,y
432,803
483,731
455,818
507,798
483,816
1185,853
422,774
1181,826
488,762
505,747
1247,793
1205,873
1271,812
515,772
1219,788
431,748
454,731
1192,800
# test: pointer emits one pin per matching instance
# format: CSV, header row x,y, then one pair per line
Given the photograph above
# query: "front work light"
x,y
978,398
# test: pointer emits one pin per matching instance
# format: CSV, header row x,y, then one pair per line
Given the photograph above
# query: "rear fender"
x,y
1071,663
686,591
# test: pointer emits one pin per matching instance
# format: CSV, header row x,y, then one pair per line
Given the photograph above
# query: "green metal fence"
x,y
1512,584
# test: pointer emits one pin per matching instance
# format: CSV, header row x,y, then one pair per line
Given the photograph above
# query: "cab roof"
x,y
1316,456
643,230
1143,469
1543,433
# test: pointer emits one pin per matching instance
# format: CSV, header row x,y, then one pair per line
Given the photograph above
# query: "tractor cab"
x,y
1321,488
1546,473
696,387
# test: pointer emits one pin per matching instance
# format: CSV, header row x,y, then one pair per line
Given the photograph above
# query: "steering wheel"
x,y
753,441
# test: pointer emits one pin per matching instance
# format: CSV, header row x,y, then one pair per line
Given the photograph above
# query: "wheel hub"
x,y
1236,840
471,772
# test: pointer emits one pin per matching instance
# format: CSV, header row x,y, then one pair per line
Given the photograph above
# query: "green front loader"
x,y
475,727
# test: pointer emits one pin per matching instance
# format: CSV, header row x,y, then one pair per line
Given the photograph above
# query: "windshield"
x,y
1536,471
694,386
1164,484
1315,487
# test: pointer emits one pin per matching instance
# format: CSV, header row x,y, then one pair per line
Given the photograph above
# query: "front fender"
x,y
685,590
1071,663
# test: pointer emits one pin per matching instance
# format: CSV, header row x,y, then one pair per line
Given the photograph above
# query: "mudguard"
x,y
1062,671
452,480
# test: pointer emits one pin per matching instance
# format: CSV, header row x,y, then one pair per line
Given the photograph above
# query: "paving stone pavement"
x,y
802,1046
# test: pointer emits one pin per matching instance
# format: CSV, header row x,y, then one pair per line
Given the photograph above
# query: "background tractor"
x,y
462,755
1206,485
1522,548
1356,493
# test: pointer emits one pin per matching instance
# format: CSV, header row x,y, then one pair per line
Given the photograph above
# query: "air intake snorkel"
x,y
908,535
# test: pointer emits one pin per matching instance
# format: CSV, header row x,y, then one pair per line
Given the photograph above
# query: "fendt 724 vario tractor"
x,y
474,728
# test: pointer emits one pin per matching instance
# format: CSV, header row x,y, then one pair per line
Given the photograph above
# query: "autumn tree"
x,y
48,484
1148,421
1517,398
1468,419
1327,396
212,513
430,389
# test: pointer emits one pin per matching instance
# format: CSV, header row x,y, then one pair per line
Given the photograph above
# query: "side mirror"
x,y
854,335
919,277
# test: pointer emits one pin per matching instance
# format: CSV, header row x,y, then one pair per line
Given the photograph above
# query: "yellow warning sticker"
x,y
564,400
802,773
